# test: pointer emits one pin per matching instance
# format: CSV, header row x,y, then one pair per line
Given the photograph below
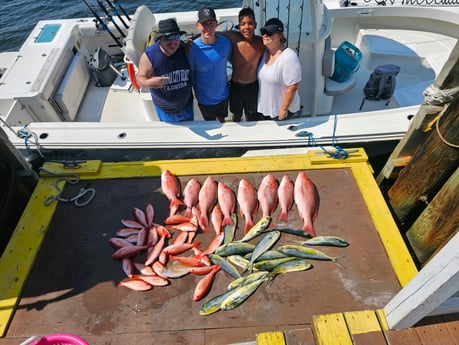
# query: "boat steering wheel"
x,y
228,25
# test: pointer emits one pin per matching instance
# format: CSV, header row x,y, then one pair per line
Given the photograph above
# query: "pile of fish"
x,y
153,253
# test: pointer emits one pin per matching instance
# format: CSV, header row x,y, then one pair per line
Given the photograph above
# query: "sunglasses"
x,y
265,32
173,37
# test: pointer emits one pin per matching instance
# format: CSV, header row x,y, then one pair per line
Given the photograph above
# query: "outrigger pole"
x,y
109,16
99,20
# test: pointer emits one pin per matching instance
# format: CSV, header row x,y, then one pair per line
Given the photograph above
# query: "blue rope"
x,y
339,153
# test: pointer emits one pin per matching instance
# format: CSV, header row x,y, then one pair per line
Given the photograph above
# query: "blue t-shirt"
x,y
208,70
177,91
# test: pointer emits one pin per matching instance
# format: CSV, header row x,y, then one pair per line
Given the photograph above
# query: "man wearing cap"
x,y
209,56
164,68
279,75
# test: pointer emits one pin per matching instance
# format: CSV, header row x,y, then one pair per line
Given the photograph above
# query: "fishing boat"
x,y
68,92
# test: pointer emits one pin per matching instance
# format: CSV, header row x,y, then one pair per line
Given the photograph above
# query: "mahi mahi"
x,y
264,245
240,294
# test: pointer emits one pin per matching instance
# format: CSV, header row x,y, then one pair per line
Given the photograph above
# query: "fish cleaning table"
x,y
71,287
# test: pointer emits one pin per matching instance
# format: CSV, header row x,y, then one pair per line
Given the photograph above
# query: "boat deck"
x,y
72,288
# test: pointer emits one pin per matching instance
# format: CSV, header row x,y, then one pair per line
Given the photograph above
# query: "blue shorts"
x,y
186,114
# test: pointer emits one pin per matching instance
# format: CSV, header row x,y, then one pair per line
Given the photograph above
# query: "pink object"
x,y
60,338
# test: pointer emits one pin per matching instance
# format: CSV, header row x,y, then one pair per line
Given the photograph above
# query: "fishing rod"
x,y
115,10
99,20
300,26
109,16
116,3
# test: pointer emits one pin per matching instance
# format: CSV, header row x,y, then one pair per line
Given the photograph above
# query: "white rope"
x,y
434,96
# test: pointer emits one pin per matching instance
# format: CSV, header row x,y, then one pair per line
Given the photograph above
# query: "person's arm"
x,y
145,77
288,98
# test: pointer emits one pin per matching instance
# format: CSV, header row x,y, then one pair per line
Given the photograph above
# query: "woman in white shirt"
x,y
279,75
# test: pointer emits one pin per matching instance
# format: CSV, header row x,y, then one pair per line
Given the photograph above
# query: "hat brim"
x,y
271,29
203,20
160,34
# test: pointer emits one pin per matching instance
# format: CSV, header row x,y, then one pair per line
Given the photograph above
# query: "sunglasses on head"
x,y
173,37
265,32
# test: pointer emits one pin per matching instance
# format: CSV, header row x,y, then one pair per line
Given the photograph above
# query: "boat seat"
x,y
333,88
141,26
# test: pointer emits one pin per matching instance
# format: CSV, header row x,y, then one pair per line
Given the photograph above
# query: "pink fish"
x,y
125,232
135,284
285,194
204,285
227,202
117,242
248,203
128,266
171,188
150,214
267,195
217,219
128,251
214,244
207,200
155,251
191,195
152,280
176,219
140,216
307,201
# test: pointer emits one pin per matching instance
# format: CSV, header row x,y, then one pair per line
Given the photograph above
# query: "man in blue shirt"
x,y
208,59
164,68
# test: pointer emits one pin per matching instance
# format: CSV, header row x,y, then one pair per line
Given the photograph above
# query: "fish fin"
x,y
283,216
188,212
248,225
309,227
335,260
227,221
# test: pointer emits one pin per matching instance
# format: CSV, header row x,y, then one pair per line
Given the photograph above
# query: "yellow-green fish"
x,y
306,253
265,244
333,241
268,265
240,294
224,265
230,229
289,266
234,248
214,304
250,278
268,255
292,231
257,229
238,260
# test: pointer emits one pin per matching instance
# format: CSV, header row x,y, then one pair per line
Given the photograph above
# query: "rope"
x,y
25,133
339,153
437,127
434,96
85,194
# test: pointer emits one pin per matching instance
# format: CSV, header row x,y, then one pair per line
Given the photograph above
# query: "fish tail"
x,y
309,228
227,221
335,260
188,212
174,206
203,222
283,216
248,225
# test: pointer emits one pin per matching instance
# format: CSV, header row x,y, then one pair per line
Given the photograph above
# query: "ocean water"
x,y
18,17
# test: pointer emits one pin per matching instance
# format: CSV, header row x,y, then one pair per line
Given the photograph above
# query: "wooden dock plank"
x,y
300,336
271,338
403,337
331,329
435,334
22,249
364,327
394,244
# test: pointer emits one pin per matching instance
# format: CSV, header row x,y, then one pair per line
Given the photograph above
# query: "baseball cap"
x,y
273,25
205,14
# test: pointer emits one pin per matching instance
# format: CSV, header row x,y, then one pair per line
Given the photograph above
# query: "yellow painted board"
x,y
84,168
22,249
308,160
331,329
399,256
382,319
271,338
363,321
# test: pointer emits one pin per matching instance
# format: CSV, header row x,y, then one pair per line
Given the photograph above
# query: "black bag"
x,y
381,84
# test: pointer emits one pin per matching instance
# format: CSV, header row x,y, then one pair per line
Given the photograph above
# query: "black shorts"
x,y
244,98
214,111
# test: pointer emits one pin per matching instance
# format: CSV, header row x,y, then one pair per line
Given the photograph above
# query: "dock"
x,y
58,275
